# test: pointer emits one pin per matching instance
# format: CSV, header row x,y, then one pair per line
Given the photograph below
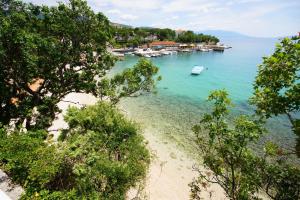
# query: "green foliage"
x,y
114,153
225,151
230,161
130,82
100,156
281,181
48,195
191,37
28,159
63,46
276,92
133,37
164,34
277,85
61,50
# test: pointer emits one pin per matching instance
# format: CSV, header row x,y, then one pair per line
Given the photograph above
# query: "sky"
x,y
260,18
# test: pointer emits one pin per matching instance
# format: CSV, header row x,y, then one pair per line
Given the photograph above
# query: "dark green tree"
x,y
100,156
47,53
63,47
191,37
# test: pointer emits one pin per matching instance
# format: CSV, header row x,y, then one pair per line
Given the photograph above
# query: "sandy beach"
x,y
170,172
9,191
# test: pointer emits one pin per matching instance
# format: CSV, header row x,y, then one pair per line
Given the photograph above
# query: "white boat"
x,y
197,70
129,53
147,56
166,53
186,50
204,50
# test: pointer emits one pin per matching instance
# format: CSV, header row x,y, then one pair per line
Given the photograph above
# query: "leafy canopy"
x,y
131,82
277,84
100,156
230,162
49,52
225,151
45,54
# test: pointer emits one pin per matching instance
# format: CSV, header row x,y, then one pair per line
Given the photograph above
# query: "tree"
x,y
100,156
191,37
131,82
186,37
225,151
230,163
62,47
47,53
277,84
165,34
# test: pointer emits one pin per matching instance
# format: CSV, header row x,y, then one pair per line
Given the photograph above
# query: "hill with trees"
x,y
134,37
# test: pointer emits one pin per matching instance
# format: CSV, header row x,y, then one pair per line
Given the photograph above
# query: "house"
x,y
34,86
171,45
151,38
179,32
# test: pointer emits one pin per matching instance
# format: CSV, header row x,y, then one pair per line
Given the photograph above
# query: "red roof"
x,y
163,43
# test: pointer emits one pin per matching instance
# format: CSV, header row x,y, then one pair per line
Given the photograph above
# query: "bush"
x,y
100,156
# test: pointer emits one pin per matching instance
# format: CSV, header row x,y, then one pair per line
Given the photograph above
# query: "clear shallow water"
x,y
180,100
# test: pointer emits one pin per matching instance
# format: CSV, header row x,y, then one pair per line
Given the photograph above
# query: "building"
x,y
151,38
179,32
34,86
171,45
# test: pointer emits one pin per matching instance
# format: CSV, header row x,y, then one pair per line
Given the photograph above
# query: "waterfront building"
x,y
169,45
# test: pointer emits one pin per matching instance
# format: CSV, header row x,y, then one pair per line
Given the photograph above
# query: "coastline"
x,y
171,167
170,170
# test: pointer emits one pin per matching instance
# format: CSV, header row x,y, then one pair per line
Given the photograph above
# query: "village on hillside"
x,y
154,42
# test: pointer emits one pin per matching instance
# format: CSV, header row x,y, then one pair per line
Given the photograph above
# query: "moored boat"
x,y
197,70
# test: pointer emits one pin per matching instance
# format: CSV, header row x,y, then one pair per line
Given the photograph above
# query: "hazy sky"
x,y
267,18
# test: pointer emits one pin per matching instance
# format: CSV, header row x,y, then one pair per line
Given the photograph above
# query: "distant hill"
x,y
222,34
231,34
120,25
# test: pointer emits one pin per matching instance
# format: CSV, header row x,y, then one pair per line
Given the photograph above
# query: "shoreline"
x,y
170,170
171,167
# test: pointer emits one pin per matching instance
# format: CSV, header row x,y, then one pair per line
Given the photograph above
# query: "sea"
x,y
180,99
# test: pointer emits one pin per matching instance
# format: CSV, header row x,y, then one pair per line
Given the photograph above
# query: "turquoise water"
x,y
180,100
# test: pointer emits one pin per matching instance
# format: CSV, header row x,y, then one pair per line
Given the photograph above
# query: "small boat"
x,y
147,56
204,50
129,53
197,70
186,50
